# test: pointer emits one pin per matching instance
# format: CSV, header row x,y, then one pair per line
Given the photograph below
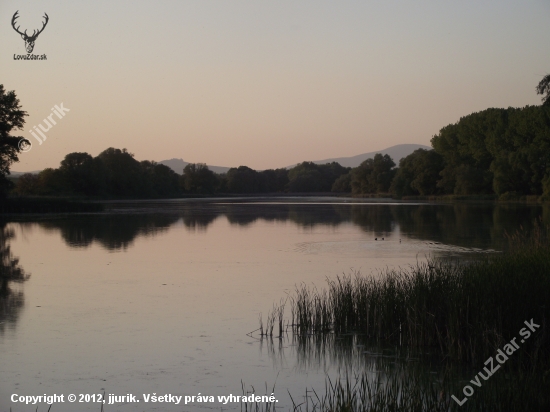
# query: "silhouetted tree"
x,y
198,178
243,179
373,175
464,148
274,180
496,151
311,177
123,174
544,88
11,117
27,184
80,173
418,174
159,179
342,184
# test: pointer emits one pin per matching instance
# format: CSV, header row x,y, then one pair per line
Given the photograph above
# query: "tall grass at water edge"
x,y
463,311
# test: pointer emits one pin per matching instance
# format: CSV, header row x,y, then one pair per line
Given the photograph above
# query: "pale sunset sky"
x,y
266,83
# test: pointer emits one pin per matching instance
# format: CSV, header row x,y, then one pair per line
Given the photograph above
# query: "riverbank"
x,y
489,315
47,205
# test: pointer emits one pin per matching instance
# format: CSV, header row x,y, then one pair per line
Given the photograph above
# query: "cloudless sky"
x,y
266,84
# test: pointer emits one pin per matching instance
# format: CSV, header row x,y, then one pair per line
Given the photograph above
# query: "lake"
x,y
157,297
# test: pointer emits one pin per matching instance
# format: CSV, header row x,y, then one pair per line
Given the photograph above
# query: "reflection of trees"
x,y
11,301
466,225
481,225
111,231
374,218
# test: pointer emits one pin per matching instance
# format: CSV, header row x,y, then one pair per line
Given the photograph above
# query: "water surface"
x,y
158,297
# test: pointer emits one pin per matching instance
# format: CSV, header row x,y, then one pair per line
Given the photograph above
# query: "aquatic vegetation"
x,y
463,311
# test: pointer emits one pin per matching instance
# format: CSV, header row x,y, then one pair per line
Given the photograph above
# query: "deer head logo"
x,y
29,40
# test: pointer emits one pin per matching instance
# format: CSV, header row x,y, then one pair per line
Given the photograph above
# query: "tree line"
x,y
502,152
115,173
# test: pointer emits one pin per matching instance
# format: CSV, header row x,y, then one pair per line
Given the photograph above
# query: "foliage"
x,y
197,178
464,311
373,175
311,177
243,180
544,88
274,180
161,181
11,117
113,172
123,174
418,174
496,150
342,184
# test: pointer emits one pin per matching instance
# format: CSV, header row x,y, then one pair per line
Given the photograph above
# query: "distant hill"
x,y
13,173
395,152
177,166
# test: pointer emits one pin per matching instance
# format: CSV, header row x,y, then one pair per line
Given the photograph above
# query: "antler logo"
x,y
29,40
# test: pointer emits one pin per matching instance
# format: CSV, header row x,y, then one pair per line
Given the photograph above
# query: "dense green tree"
x,y
311,177
521,154
80,173
27,184
418,174
464,149
159,180
373,175
544,88
50,182
243,179
342,184
11,117
197,178
123,174
496,151
274,180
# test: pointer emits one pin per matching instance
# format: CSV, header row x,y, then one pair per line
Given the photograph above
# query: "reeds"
x,y
403,391
274,317
466,310
460,311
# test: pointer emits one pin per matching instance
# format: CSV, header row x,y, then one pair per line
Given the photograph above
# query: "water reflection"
x,y
11,298
464,225
351,357
113,232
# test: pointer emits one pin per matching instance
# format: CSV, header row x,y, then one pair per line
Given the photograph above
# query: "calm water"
x,y
158,297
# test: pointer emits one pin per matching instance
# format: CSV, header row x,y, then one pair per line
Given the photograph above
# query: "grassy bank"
x,y
47,205
465,312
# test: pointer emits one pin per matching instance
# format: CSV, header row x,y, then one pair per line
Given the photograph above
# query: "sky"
x,y
265,84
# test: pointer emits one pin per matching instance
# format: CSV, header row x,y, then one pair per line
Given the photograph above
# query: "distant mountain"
x,y
395,152
177,166
13,173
